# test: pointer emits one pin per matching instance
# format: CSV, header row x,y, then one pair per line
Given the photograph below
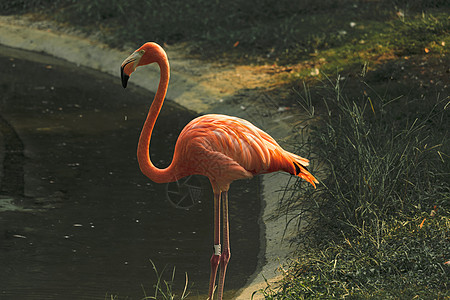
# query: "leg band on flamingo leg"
x,y
218,249
225,256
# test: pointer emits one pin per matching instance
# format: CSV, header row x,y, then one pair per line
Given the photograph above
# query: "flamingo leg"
x,y
215,258
226,254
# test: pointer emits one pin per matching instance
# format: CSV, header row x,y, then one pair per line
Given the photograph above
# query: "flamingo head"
x,y
146,54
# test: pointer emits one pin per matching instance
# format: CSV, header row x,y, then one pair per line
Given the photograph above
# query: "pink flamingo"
x,y
223,148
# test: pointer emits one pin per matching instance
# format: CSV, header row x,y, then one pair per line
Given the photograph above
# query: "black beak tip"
x,y
124,77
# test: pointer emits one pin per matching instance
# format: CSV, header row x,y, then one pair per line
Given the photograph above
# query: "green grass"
x,y
407,263
163,289
386,172
379,42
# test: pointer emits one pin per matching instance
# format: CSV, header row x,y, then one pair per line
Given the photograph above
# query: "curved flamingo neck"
x,y
143,154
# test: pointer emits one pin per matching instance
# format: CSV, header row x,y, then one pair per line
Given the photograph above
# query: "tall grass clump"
x,y
384,159
163,289
379,223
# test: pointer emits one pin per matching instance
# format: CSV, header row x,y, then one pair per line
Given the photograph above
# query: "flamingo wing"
x,y
227,148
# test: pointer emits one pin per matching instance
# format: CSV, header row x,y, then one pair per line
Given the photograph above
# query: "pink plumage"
x,y
225,148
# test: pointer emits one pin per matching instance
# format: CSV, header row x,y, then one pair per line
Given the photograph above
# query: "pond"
x,y
77,218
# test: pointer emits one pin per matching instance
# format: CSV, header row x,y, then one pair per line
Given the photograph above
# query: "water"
x,y
77,218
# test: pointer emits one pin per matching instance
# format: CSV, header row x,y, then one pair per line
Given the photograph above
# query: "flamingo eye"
x,y
142,51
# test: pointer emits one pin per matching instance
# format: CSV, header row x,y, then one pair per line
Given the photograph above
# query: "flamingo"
x,y
221,147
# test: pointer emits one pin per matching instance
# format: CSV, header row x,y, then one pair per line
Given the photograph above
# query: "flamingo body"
x,y
221,147
226,148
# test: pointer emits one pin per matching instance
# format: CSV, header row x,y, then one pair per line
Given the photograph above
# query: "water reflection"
x,y
86,221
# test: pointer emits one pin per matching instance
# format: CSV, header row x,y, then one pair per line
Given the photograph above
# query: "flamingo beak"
x,y
124,77
129,65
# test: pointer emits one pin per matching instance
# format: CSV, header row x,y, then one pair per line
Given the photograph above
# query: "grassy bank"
x,y
377,92
379,224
